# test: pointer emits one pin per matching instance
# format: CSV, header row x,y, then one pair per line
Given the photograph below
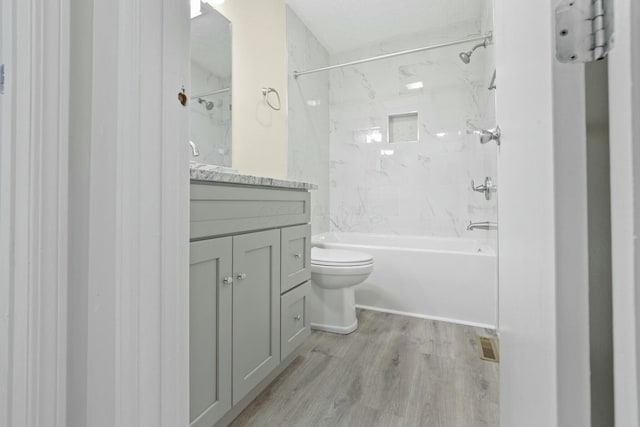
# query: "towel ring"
x,y
265,92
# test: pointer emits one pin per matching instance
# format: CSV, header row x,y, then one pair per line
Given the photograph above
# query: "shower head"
x,y
207,104
466,56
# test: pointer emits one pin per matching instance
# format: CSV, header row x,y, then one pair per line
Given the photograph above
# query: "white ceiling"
x,y
343,25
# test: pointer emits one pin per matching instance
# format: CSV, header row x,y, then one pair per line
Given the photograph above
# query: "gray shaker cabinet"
x,y
210,331
256,309
250,250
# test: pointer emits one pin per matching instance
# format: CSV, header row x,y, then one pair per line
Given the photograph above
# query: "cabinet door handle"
x,y
297,256
228,280
241,276
298,317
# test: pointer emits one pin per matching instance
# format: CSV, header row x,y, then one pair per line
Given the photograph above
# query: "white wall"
x,y
308,122
259,60
413,188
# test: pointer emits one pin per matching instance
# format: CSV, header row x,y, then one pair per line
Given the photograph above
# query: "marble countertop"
x,y
209,173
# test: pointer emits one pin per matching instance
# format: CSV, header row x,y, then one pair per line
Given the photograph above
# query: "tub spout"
x,y
482,225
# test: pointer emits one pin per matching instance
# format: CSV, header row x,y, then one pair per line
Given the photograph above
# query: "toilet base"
x,y
335,329
333,310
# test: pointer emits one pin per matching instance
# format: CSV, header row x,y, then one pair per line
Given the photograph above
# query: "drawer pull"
x,y
297,318
297,256
241,276
228,280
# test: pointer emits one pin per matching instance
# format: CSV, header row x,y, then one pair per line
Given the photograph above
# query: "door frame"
x,y
33,212
136,350
135,359
624,119
543,266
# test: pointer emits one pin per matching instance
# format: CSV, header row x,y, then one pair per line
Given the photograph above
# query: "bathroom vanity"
x,y
249,286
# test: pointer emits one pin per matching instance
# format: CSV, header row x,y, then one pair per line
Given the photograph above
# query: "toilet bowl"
x,y
334,274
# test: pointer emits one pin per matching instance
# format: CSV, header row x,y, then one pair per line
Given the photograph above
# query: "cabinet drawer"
x,y
222,210
294,322
296,256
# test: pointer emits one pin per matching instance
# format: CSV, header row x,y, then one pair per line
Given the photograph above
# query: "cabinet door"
x,y
209,331
256,309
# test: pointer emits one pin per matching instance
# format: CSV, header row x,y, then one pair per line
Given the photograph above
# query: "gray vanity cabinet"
x,y
256,309
250,266
210,330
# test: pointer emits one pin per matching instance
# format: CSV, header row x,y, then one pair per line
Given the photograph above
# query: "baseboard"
x,y
424,316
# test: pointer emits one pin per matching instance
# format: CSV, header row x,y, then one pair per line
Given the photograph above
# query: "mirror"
x,y
210,101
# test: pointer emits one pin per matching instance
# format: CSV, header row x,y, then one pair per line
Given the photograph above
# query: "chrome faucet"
x,y
194,149
488,188
488,135
482,225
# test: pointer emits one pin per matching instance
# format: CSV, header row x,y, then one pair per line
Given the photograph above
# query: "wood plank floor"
x,y
393,371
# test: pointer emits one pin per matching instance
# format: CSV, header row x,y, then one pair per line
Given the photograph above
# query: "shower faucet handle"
x,y
488,188
488,135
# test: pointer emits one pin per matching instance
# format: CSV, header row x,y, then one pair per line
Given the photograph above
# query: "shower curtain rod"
x,y
487,36
202,95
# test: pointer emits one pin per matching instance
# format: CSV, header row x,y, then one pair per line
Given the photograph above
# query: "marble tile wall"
x,y
308,118
412,188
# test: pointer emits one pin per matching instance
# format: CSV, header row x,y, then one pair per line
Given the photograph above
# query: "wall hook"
x,y
266,91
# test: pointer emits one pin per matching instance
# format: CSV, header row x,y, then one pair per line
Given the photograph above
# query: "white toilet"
x,y
334,274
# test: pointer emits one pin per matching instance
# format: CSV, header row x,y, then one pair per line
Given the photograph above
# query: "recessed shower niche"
x,y
403,127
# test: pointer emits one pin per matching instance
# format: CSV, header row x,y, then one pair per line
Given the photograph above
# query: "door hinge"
x,y
583,30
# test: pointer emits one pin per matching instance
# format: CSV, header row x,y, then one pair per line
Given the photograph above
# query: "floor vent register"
x,y
488,349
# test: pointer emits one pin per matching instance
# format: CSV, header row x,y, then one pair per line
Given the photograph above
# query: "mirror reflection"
x,y
210,104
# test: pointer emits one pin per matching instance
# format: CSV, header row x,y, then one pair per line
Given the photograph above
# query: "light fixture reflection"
x,y
415,85
195,8
374,136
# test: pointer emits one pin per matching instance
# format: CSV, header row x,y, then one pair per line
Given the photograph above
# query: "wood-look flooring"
x,y
393,371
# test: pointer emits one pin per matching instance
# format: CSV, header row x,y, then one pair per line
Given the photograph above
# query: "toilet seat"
x,y
339,258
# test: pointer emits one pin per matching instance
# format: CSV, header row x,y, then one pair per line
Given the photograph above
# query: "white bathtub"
x,y
449,279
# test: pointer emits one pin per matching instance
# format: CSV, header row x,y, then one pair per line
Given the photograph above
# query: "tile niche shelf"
x,y
403,127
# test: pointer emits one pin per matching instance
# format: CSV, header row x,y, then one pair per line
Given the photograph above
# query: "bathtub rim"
x,y
488,251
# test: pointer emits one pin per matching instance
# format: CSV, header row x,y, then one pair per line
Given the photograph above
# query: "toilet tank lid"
x,y
339,256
